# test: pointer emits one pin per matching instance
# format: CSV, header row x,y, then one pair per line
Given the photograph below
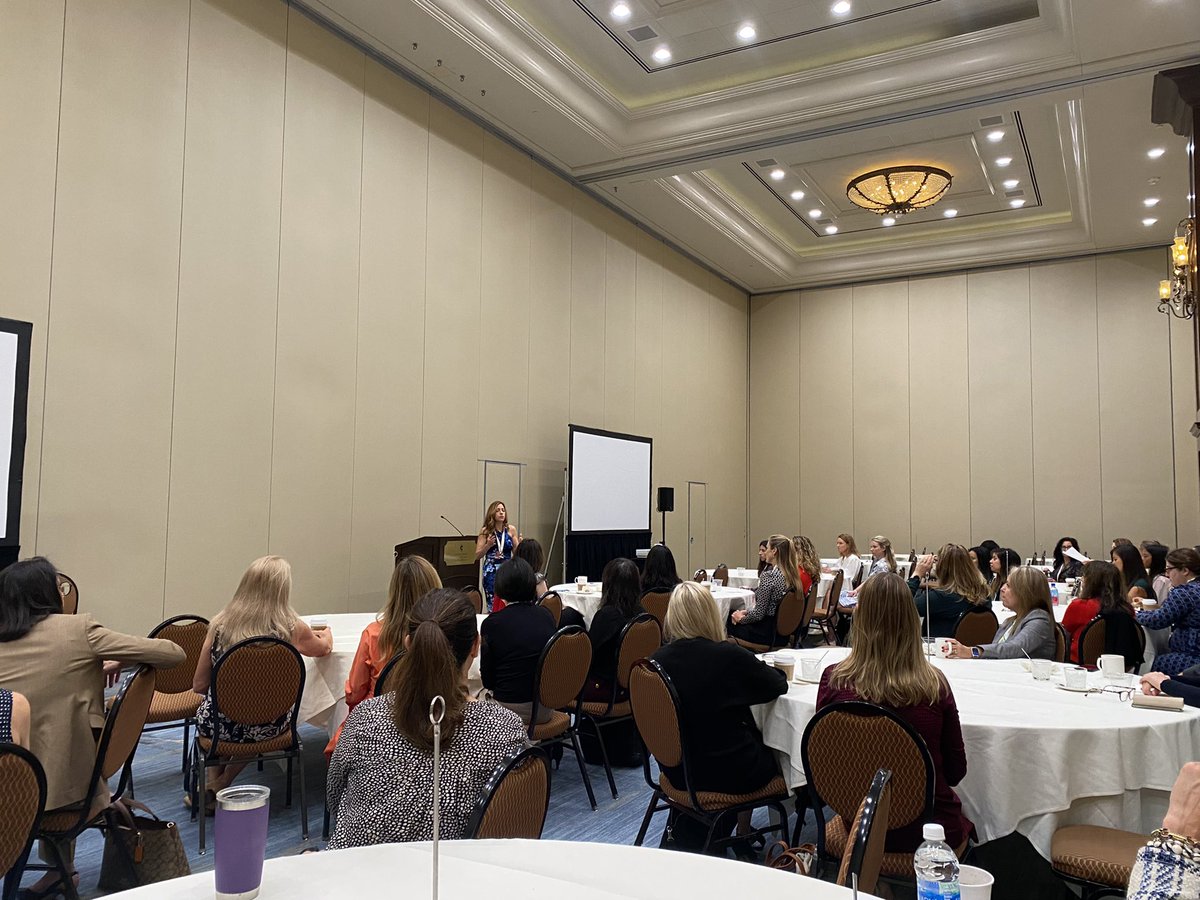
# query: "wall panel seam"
x,y
424,334
1032,422
1099,402
362,163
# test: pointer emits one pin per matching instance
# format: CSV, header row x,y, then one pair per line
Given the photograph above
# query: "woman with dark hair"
x,y
1128,561
512,640
981,557
959,587
1064,566
1101,593
621,593
381,776
659,574
59,664
1154,558
763,564
531,551
1180,611
1003,561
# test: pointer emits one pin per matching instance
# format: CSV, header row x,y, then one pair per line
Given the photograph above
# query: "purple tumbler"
x,y
241,840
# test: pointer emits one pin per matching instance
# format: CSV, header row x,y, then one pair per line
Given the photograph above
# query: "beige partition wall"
x,y
1019,404
286,302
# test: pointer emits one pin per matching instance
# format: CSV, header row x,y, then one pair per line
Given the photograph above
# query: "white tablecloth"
x,y
744,578
1038,757
508,870
324,701
586,603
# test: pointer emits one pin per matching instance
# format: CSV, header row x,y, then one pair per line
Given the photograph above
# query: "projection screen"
x,y
609,478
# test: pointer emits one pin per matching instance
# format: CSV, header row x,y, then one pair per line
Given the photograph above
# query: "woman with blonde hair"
x,y
757,625
1030,632
887,666
958,587
882,557
807,561
260,608
495,544
717,682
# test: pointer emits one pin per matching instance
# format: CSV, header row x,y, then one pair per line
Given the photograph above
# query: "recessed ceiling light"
x,y
662,54
831,229
1156,152
620,11
950,213
889,222
797,195
1150,201
777,174
814,214
840,8
1003,161
1016,204
1010,183
995,136
747,33
1148,222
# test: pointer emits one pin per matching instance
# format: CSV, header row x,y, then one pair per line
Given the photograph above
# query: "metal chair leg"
x,y
641,835
202,796
587,781
288,794
612,782
303,800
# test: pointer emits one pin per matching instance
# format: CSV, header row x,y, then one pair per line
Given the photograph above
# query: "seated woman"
x,y
1064,566
1003,561
381,776
1030,632
958,587
1102,592
1128,561
717,682
14,719
1154,559
1180,611
259,608
888,666
882,558
531,551
659,575
808,563
513,638
621,603
763,565
757,625
848,562
58,664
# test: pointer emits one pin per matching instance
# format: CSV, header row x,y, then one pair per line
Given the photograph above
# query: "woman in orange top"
x,y
808,562
1102,591
412,579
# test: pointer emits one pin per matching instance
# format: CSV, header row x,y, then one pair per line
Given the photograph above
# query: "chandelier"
x,y
1177,294
899,189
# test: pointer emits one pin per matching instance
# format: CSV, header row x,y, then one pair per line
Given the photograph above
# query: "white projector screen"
x,y
609,481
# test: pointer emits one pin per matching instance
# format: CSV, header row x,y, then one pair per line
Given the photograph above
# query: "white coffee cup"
x,y
1112,665
1041,669
810,668
974,883
317,622
942,649
1075,677
580,580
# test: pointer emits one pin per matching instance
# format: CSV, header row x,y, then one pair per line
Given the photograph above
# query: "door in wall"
x,y
697,528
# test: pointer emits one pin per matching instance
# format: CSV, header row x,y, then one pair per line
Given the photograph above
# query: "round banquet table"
x,y
1038,757
323,703
740,578
587,602
507,870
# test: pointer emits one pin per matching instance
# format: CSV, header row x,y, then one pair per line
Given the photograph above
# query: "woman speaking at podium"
x,y
495,544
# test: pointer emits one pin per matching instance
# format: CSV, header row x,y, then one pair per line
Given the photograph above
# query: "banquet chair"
x,y
552,602
174,700
825,616
254,682
655,603
640,637
864,853
119,738
721,574
514,801
700,574
558,682
1092,641
787,621
1096,859
475,597
976,626
385,673
70,593
23,787
842,748
660,726
1062,643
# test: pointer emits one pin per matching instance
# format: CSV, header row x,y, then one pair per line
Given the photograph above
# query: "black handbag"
x,y
139,849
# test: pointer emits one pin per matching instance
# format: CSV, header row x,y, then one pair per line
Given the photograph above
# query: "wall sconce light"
x,y
1177,294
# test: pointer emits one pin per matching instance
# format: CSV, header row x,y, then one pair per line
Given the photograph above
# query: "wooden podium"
x,y
453,557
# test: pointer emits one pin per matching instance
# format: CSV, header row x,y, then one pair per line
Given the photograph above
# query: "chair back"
x,y
976,626
475,597
551,601
23,787
656,712
1125,637
562,670
385,673
257,681
189,633
640,637
700,574
655,604
864,851
514,801
794,613
70,593
1062,643
125,720
857,580
834,593
1092,642
721,574
846,743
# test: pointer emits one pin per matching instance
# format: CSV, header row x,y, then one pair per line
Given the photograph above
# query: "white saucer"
x,y
1082,690
800,679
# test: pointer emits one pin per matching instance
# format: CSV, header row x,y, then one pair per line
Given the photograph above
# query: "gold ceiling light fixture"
x,y
1177,294
898,190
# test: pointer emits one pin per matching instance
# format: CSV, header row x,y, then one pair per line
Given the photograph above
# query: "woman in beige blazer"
x,y
57,662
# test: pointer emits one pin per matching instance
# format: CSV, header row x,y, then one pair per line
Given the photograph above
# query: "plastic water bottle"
x,y
936,866
1054,593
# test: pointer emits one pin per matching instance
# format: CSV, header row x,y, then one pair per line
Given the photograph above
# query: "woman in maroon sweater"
x,y
888,667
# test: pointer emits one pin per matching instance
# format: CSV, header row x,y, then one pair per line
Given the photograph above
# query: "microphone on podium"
x,y
455,527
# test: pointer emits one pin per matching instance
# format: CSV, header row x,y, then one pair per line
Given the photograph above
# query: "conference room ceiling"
x,y
738,147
